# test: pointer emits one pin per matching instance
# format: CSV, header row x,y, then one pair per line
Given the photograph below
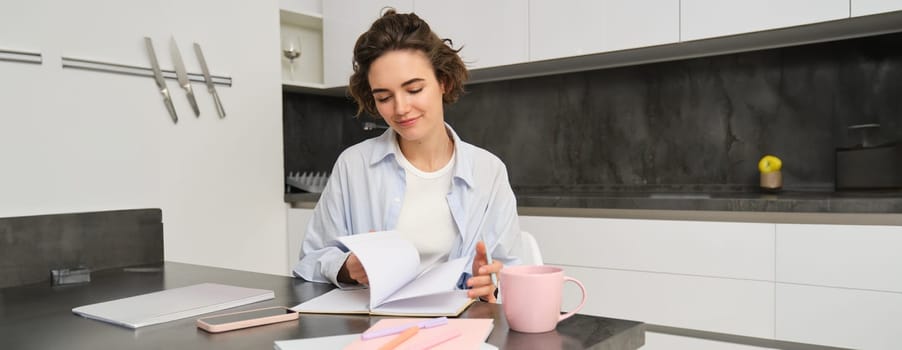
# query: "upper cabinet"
x,y
870,7
505,39
343,22
701,19
573,28
492,33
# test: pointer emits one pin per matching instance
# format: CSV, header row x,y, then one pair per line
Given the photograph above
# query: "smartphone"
x,y
245,319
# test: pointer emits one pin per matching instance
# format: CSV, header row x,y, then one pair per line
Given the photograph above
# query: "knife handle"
x,y
193,102
167,100
219,108
171,108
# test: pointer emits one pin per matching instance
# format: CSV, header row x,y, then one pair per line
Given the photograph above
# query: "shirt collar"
x,y
383,147
463,170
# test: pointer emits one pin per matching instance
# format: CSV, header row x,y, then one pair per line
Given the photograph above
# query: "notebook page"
x,y
450,304
337,301
389,260
439,279
333,342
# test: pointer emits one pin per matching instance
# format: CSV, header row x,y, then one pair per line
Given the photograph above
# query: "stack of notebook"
x,y
172,304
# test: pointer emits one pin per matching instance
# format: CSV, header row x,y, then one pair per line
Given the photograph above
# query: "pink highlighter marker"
x,y
432,322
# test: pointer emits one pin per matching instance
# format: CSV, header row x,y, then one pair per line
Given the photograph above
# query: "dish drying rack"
x,y
313,182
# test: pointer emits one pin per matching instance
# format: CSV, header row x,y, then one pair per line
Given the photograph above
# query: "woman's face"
x,y
408,95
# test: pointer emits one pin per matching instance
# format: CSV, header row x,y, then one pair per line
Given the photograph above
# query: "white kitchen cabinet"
x,y
689,274
343,22
508,39
839,317
834,285
700,19
717,249
492,33
296,228
870,7
723,305
573,28
847,256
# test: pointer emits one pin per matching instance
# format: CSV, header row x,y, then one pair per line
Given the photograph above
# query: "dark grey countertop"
x,y
752,201
730,203
727,198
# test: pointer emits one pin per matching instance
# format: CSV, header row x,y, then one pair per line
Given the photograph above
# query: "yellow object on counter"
x,y
769,163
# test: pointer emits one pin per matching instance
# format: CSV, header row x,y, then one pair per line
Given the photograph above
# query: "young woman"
x,y
449,198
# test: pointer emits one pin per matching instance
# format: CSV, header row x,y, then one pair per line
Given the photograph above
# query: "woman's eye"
x,y
415,91
383,99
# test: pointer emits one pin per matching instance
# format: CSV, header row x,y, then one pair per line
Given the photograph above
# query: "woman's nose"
x,y
402,106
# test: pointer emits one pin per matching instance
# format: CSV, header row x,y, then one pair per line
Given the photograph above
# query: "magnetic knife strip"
x,y
97,66
183,78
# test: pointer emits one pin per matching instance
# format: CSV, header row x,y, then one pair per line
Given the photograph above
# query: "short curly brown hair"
x,y
396,31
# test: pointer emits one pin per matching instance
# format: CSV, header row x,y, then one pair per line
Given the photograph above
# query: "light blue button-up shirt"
x,y
366,190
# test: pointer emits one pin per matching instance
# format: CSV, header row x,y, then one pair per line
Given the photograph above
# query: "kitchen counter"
x,y
710,198
698,202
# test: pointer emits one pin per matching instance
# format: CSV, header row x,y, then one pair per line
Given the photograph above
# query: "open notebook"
x,y
391,264
172,304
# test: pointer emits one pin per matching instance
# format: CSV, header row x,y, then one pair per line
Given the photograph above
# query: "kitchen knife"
x,y
208,80
158,77
182,75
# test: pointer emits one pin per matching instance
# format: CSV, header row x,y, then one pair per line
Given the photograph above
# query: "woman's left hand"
x,y
480,284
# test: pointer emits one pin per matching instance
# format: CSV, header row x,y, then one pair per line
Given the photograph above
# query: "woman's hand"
x,y
480,284
352,271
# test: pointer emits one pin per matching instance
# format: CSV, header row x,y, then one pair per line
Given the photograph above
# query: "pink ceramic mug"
x,y
531,297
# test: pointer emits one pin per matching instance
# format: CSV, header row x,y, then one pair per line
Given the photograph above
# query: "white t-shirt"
x,y
425,219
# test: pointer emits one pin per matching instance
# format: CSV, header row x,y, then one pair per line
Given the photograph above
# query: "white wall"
x,y
78,141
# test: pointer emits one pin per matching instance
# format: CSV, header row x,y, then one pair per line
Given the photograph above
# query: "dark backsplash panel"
x,y
316,129
32,245
696,121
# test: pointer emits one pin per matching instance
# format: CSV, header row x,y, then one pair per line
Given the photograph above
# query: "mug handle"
x,y
581,302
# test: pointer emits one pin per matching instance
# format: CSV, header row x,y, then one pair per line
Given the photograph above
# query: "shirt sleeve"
x,y
321,256
504,233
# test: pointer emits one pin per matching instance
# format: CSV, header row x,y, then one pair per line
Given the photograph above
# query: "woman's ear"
x,y
443,86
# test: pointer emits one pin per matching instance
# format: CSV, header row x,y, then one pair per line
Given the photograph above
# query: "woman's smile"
x,y
409,122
